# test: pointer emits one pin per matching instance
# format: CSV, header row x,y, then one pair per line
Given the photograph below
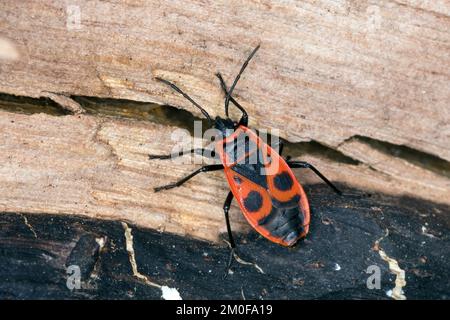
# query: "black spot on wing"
x,y
253,202
283,181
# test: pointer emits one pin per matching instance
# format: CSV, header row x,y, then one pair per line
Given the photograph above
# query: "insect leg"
x,y
213,167
201,151
232,244
226,209
288,158
279,145
303,164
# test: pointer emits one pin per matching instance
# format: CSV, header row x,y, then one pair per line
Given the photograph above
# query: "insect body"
x,y
269,195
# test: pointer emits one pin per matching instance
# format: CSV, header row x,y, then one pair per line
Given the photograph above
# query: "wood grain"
x,y
327,71
35,256
98,167
85,166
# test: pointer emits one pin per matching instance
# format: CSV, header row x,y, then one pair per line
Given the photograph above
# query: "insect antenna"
x,y
174,87
227,99
244,118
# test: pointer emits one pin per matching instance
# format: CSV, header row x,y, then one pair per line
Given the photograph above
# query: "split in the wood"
x,y
30,227
400,282
66,102
167,292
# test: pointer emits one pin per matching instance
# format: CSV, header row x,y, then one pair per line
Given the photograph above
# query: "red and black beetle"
x,y
273,202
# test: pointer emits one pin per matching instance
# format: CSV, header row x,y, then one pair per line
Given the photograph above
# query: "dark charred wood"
x,y
36,250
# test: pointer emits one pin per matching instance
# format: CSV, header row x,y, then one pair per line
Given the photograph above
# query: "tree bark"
x,y
358,90
326,71
98,167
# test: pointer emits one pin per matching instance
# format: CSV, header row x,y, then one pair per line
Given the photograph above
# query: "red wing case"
x,y
268,193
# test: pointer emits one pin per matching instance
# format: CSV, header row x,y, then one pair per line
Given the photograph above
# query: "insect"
x,y
268,193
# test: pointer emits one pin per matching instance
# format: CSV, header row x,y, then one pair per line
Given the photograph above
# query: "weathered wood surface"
x,y
327,70
98,167
36,251
348,75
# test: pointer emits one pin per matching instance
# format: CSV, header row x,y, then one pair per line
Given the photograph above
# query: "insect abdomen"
x,y
285,221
